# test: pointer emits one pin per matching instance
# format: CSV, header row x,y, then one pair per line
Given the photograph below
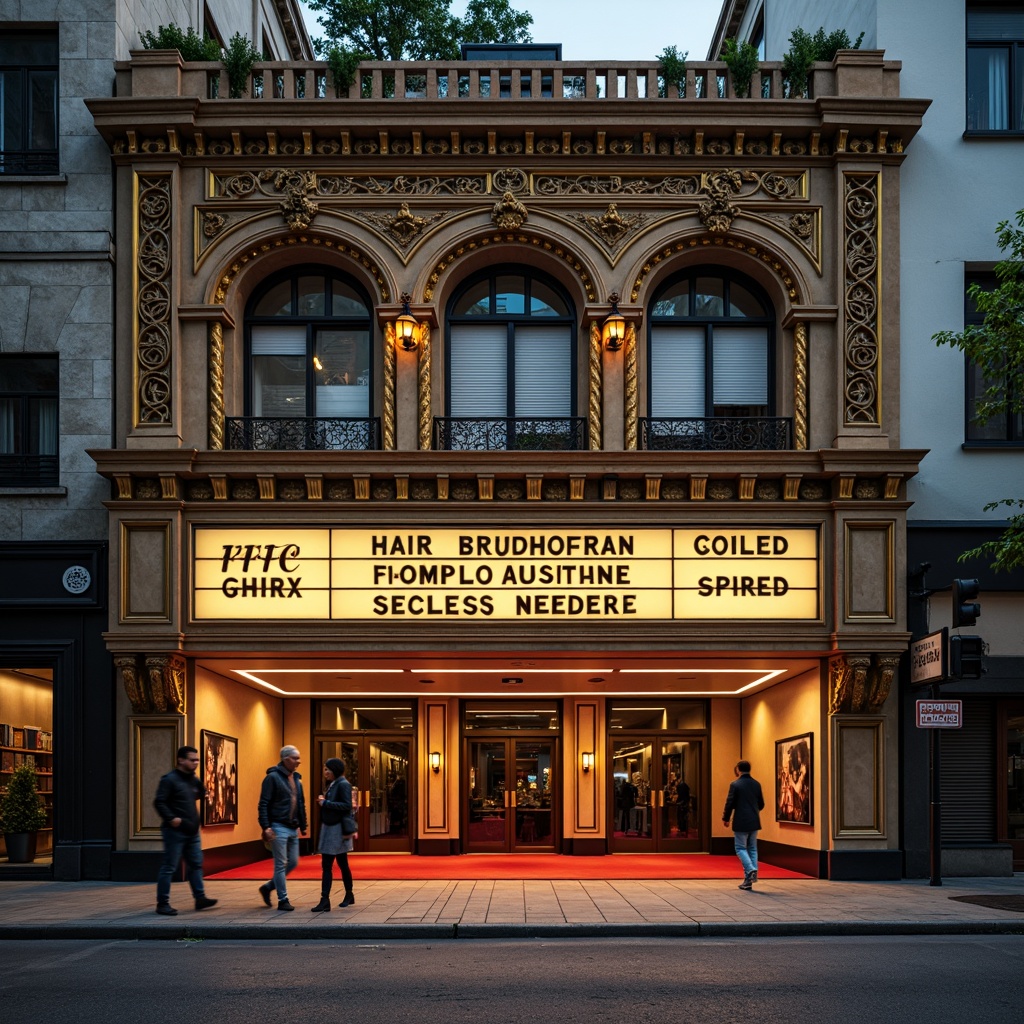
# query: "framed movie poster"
x,y
794,773
219,756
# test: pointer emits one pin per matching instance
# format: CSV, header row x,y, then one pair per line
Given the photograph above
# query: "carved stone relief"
x,y
153,299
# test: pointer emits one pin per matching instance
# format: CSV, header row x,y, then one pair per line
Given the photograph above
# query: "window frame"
x,y
312,323
511,320
972,317
31,162
29,451
728,277
1014,48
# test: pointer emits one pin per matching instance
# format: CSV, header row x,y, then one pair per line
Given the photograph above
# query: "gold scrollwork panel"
x,y
145,572
154,744
858,778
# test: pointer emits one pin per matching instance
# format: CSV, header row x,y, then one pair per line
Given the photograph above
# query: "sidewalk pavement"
x,y
438,909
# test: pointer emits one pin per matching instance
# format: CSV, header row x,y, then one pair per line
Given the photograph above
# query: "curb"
x,y
718,929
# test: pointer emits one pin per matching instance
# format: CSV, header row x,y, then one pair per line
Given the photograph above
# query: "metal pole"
x,y
935,816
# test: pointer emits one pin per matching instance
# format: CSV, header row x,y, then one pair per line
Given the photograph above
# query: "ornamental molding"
x,y
154,259
860,683
861,298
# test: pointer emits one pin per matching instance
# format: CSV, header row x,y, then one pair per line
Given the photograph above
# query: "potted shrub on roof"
x,y
22,815
742,61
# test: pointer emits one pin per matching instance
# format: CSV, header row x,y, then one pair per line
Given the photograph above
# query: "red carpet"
x,y
529,865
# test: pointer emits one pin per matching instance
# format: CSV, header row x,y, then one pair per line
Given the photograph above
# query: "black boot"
x,y
323,905
349,899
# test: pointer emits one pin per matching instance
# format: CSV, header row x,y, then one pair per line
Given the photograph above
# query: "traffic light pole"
x,y
935,809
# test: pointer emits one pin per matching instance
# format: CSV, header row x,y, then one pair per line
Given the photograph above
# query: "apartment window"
x,y
28,102
511,363
1008,428
995,67
28,421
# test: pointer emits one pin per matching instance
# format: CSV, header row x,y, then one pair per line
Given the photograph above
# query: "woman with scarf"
x,y
335,843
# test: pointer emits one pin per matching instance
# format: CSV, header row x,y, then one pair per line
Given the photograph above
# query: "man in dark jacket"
x,y
175,802
282,814
744,804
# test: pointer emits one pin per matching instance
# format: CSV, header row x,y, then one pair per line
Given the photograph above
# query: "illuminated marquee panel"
x,y
474,575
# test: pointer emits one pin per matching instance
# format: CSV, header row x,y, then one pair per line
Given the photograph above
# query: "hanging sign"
x,y
474,575
940,714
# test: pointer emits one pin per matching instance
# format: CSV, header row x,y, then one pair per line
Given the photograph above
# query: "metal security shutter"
x,y
677,371
968,785
479,370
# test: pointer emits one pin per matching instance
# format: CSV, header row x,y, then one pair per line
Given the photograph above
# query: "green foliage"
x,y
996,348
742,61
805,49
21,809
188,44
416,29
239,58
672,65
344,64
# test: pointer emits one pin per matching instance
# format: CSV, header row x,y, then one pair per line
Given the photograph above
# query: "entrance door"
x,y
379,768
656,788
510,793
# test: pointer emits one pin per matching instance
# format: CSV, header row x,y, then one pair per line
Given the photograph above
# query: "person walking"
x,y
282,814
335,811
176,797
744,804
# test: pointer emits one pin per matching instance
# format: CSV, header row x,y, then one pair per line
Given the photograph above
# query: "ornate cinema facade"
x,y
525,433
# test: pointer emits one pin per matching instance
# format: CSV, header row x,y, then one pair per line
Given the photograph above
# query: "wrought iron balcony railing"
x,y
29,471
510,433
266,433
720,433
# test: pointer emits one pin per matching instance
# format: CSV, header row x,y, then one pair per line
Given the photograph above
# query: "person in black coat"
x,y
744,804
175,802
336,835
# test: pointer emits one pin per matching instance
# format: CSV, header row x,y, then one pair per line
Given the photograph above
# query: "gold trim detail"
x,y
800,377
154,231
424,403
390,371
596,387
860,683
632,384
215,373
153,682
862,244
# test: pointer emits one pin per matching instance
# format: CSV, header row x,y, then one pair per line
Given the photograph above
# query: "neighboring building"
x,y
57,384
962,177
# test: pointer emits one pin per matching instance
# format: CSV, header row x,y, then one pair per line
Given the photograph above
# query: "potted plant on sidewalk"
x,y
22,815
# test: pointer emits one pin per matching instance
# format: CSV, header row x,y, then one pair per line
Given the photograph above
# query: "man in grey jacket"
x,y
744,804
282,814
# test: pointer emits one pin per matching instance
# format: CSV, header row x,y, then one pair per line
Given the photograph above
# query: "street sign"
x,y
928,658
940,714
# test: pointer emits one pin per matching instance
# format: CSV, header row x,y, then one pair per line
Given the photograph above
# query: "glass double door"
x,y
510,802
655,794
380,771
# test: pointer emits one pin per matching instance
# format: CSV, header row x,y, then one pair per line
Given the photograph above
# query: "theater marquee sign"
x,y
474,575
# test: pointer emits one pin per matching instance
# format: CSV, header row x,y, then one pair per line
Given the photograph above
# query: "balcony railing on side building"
x,y
259,433
511,433
720,433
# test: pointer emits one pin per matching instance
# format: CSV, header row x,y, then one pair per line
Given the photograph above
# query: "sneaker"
x,y
284,905
265,891
204,902
166,909
348,901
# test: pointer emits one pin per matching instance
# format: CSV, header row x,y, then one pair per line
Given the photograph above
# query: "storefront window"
x,y
499,716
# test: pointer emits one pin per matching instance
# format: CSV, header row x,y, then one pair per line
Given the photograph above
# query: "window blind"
x,y
543,370
740,366
478,385
677,371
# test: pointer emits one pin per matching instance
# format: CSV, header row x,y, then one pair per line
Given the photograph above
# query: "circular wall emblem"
x,y
77,579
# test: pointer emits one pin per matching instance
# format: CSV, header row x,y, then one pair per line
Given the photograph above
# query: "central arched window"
x,y
511,365
710,366
309,372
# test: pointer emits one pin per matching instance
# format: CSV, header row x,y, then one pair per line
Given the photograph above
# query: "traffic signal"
x,y
965,654
965,609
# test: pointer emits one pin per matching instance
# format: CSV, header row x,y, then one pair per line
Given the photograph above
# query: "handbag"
x,y
332,815
348,825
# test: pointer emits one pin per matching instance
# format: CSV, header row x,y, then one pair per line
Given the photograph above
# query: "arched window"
x,y
510,365
309,371
710,365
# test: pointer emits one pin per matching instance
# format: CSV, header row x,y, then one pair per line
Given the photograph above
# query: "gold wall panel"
x,y
858,778
870,578
145,572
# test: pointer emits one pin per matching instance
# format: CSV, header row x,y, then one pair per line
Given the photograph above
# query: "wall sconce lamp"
x,y
407,327
613,330
435,761
588,761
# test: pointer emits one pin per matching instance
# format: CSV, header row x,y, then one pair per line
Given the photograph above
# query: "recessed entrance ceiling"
x,y
488,675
